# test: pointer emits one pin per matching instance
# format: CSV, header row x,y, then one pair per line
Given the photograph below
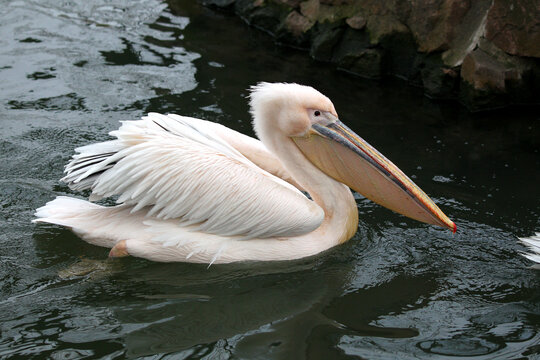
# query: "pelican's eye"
x,y
317,113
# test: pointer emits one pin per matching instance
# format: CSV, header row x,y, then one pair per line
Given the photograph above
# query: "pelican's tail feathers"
x,y
93,223
533,243
64,211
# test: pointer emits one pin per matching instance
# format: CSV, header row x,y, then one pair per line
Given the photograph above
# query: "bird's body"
x,y
191,190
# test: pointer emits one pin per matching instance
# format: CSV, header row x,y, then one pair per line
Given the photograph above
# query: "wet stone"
x,y
219,3
439,81
365,62
356,22
407,33
493,80
513,25
325,39
94,269
355,54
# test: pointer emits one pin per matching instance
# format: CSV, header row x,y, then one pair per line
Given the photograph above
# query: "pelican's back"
x,y
178,168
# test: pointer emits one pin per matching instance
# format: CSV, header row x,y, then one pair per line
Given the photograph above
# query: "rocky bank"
x,y
486,53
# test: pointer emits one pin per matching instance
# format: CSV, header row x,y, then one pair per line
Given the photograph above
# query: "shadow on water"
x,y
398,289
164,308
284,307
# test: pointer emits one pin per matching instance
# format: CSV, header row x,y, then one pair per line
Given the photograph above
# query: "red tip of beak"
x,y
455,228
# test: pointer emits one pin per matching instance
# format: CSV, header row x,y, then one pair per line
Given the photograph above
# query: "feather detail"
x,y
533,243
180,168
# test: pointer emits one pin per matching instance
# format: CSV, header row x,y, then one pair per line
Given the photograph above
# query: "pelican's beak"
x,y
345,156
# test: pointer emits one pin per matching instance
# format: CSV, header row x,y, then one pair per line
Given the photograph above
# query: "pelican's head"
x,y
310,120
287,108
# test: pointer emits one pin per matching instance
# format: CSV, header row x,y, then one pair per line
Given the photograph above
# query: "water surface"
x,y
70,71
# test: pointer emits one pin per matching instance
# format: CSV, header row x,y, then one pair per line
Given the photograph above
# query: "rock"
x,y
325,39
266,19
265,16
310,9
490,81
484,52
297,24
290,3
483,72
514,26
219,3
434,22
401,56
356,54
522,80
91,269
439,81
379,26
295,31
336,2
245,7
326,12
356,22
467,33
364,62
352,41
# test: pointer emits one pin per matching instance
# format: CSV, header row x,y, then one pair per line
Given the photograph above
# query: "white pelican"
x,y
195,191
533,243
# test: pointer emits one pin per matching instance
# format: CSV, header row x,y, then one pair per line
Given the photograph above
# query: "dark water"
x,y
69,71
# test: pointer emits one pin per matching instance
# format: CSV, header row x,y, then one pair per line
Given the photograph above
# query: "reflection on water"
x,y
400,289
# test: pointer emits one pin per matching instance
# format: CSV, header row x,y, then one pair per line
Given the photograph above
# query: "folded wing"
x,y
182,168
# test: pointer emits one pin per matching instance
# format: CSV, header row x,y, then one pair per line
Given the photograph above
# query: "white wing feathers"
x,y
176,167
89,163
533,243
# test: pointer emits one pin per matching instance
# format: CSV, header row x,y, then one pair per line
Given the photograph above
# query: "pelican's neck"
x,y
335,198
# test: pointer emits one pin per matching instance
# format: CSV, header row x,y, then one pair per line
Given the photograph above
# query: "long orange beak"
x,y
349,159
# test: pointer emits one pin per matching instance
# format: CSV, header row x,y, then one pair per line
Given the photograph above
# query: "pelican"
x,y
191,190
533,244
